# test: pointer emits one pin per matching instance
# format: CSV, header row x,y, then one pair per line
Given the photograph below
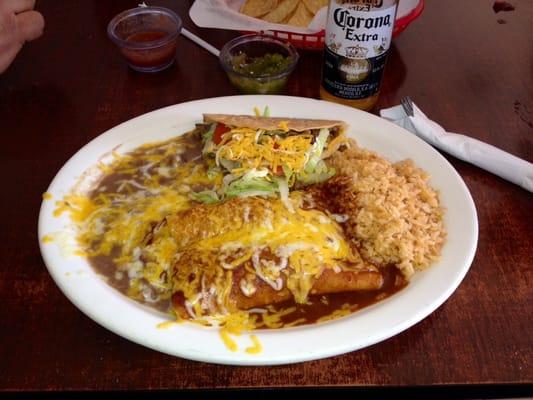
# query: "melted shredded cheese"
x,y
251,151
266,245
116,222
273,318
341,312
256,347
167,324
123,218
47,239
228,340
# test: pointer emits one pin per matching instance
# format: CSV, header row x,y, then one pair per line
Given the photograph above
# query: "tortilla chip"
x,y
284,8
314,5
271,124
258,8
301,17
288,17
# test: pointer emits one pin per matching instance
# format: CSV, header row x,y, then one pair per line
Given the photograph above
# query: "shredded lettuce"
x,y
228,164
206,196
227,179
253,187
207,138
315,153
208,135
283,188
316,170
287,172
266,112
253,183
213,172
319,175
256,173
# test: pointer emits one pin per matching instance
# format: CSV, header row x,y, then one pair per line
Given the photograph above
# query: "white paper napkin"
x,y
483,155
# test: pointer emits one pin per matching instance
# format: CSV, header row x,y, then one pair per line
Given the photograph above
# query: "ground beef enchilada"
x,y
252,252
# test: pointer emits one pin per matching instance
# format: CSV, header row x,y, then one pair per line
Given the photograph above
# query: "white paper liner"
x,y
224,14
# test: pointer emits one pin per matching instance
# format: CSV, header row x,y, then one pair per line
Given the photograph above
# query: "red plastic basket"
x,y
401,23
316,41
298,40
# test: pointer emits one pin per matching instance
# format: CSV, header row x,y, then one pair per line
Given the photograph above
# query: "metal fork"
x,y
407,105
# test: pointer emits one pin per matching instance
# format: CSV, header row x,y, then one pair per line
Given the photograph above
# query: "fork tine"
x,y
404,106
410,102
407,105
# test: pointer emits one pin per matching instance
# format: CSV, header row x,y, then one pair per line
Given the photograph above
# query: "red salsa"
x,y
160,54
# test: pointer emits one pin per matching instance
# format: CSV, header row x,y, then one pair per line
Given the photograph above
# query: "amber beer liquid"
x,y
358,38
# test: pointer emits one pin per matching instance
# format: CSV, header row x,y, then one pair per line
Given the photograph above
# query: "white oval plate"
x,y
427,290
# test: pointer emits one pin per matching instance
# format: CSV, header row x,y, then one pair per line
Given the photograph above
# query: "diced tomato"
x,y
220,130
279,171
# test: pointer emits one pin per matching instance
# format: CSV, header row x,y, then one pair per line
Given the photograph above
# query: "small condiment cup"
x,y
146,37
257,45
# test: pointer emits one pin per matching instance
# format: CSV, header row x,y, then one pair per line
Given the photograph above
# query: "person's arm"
x,y
19,23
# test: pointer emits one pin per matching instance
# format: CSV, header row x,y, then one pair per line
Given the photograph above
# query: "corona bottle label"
x,y
358,37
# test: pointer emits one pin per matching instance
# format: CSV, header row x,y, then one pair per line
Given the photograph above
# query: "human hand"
x,y
19,23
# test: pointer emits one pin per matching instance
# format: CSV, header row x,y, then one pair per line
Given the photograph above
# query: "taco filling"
x,y
263,156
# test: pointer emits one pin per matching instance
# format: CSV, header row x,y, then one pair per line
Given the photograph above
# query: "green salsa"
x,y
265,74
269,64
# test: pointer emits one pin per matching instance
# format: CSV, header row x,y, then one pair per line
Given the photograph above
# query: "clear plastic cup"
x,y
257,45
146,37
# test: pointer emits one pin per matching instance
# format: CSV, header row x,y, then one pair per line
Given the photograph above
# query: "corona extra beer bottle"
x,y
358,38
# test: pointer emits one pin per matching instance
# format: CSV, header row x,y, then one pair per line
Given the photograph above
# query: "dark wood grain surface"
x,y
465,69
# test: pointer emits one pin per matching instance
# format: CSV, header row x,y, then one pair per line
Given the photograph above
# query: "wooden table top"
x,y
468,68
